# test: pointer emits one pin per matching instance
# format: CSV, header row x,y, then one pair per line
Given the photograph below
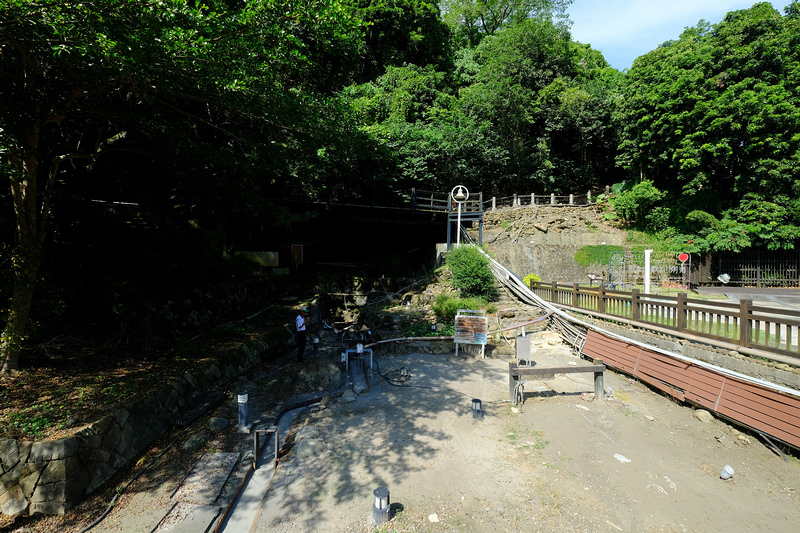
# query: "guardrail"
x,y
764,328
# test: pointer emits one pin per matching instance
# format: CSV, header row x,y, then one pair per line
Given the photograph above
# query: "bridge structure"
x,y
474,207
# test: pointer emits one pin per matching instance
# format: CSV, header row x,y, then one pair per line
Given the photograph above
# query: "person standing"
x,y
300,324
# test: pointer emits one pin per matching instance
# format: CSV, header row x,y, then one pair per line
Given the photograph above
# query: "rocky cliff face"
x,y
543,239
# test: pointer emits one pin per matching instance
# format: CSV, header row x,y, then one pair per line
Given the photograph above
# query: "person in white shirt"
x,y
300,324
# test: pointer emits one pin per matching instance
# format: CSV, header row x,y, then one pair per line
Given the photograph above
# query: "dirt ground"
x,y
636,461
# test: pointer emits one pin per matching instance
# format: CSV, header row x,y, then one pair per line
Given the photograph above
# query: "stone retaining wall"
x,y
50,477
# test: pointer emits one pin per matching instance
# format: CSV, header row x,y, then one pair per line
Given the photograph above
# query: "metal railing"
x,y
441,201
764,328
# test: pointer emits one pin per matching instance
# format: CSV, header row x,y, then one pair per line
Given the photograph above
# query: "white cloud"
x,y
625,29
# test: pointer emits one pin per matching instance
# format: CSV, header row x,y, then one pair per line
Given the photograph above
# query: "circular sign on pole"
x,y
683,257
459,194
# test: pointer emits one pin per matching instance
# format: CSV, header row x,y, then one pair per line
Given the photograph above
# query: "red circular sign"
x,y
683,257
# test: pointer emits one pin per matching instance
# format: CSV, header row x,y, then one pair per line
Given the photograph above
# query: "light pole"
x,y
460,195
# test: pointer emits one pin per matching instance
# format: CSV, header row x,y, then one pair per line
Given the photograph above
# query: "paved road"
x,y
783,298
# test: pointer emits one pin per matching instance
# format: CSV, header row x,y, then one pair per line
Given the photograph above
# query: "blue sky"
x,y
625,29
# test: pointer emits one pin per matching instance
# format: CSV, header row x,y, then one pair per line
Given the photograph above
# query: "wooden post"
x,y
744,322
571,199
533,199
552,198
599,390
515,203
554,297
413,199
601,299
589,197
635,314
480,201
681,312
494,203
575,289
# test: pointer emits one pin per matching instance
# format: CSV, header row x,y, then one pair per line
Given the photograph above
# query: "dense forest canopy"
x,y
163,120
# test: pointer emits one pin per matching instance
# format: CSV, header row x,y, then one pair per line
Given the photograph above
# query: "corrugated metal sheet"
x,y
750,404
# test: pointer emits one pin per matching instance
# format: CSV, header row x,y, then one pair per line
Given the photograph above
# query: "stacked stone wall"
x,y
51,477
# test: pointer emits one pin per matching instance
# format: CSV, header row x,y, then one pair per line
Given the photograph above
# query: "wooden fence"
x,y
764,328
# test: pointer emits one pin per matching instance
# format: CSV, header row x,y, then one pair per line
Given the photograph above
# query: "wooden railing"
x,y
441,202
764,328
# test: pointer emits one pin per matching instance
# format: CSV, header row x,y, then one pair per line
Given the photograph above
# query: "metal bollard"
x,y
477,412
381,507
243,413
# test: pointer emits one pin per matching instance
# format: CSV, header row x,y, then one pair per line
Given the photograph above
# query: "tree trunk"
x,y
30,210
26,261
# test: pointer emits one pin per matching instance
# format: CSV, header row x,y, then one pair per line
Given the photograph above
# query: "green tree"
x,y
94,79
471,20
714,115
400,32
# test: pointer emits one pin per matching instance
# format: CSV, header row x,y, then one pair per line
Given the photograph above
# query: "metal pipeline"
x,y
450,337
251,469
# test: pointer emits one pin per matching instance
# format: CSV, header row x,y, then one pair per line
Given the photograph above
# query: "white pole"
x,y
458,229
647,271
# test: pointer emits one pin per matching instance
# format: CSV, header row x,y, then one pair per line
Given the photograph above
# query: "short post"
x,y
571,199
533,199
494,203
635,313
515,203
681,312
477,412
599,392
601,299
512,384
242,400
744,322
381,507
316,346
575,289
552,198
589,197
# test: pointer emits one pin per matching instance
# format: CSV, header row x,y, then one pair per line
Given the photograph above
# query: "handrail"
x,y
744,324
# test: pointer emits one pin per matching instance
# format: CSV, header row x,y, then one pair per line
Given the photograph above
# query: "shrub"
x,y
471,273
530,277
446,306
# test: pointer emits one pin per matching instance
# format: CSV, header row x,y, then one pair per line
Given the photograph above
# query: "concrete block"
x,y
76,488
47,492
28,483
112,438
11,477
121,417
48,508
54,449
13,502
9,454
